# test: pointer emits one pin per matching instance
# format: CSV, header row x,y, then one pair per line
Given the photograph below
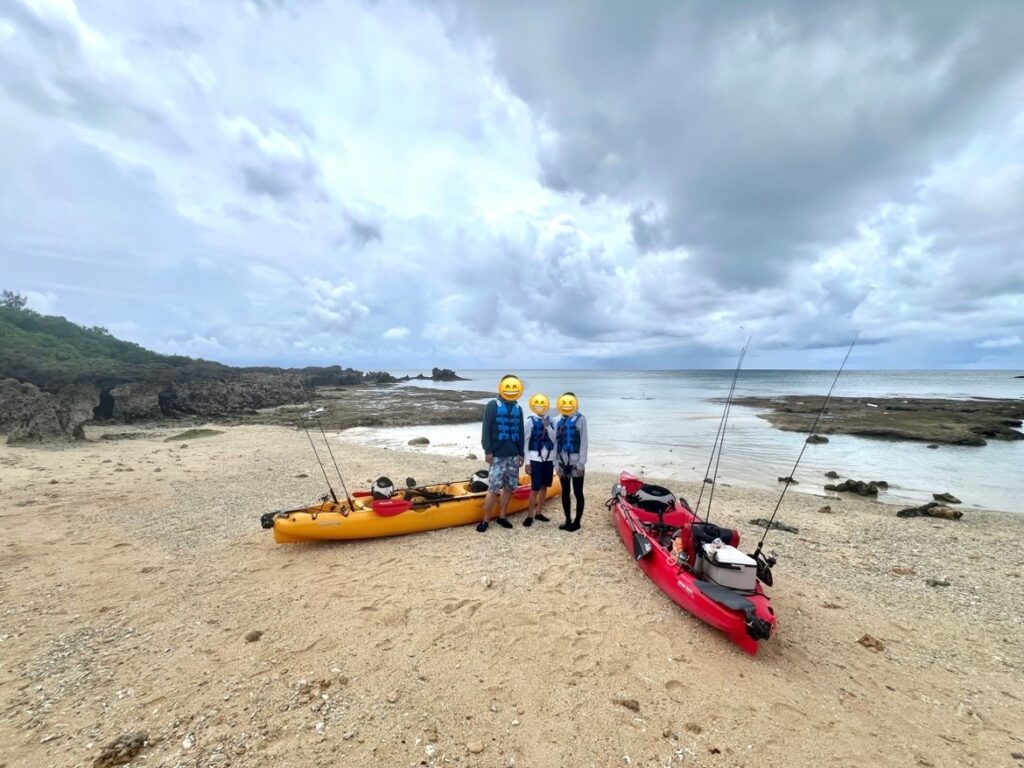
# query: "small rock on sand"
x,y
253,635
485,580
632,704
816,439
931,509
902,570
872,643
122,750
393,697
419,441
855,486
946,498
826,510
937,582
832,474
789,479
475,747
471,456
933,446
761,522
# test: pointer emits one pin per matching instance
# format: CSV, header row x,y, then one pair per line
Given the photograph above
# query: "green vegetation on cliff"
x,y
51,351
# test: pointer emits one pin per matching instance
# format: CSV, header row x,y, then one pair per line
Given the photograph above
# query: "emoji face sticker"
x,y
539,404
510,388
567,404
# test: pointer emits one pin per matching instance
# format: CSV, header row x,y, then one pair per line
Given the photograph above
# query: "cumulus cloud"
x,y
539,184
1006,341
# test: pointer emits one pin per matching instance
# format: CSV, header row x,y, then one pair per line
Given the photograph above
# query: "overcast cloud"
x,y
393,184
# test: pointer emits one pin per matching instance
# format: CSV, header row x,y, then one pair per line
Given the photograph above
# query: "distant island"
x,y
56,377
436,374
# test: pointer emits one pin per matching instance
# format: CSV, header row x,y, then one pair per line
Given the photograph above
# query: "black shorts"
x,y
541,474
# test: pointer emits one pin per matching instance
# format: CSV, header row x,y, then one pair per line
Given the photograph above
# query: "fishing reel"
x,y
764,566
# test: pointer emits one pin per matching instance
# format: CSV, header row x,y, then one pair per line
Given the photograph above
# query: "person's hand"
x,y
519,461
488,457
528,470
581,470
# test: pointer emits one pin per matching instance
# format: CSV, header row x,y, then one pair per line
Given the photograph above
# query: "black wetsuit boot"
x,y
566,505
577,489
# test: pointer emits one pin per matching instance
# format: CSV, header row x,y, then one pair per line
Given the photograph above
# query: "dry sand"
x,y
132,571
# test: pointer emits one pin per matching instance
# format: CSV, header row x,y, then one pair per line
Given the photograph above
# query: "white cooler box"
x,y
731,568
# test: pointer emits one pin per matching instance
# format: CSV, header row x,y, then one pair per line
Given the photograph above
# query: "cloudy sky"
x,y
397,184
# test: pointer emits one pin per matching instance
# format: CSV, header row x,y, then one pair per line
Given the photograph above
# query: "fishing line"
x,y
814,426
720,435
311,445
328,444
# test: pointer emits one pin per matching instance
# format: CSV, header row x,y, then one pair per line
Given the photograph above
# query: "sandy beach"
x,y
134,569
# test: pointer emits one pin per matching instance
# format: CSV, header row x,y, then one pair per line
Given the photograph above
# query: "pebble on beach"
x,y
871,643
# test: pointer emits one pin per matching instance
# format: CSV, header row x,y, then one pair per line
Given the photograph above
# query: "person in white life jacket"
x,y
540,456
571,456
503,444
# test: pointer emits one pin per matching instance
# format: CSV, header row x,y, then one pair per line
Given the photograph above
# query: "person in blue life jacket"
x,y
540,457
571,456
504,445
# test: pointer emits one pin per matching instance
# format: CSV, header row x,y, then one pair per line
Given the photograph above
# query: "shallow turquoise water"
x,y
670,433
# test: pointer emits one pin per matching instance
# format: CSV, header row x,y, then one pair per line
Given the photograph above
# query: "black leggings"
x,y
577,489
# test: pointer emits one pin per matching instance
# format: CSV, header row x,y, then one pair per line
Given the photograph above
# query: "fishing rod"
x,y
720,435
351,506
306,430
789,478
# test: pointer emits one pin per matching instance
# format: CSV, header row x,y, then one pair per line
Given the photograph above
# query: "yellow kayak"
x,y
407,511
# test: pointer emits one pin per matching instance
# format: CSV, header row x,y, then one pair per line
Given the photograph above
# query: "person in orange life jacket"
x,y
571,453
540,454
503,444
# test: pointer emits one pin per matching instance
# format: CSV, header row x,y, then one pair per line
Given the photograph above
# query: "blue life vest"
x,y
540,441
568,435
508,419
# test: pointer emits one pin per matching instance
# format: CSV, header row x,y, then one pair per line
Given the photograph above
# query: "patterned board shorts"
x,y
504,473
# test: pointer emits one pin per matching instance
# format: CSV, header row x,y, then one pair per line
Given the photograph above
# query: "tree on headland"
x,y
12,300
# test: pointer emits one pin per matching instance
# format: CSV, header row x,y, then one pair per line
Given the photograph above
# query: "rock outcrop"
x,y
436,374
223,397
931,509
857,486
29,415
132,402
930,420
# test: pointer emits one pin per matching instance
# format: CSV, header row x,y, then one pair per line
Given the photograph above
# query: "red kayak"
x,y
694,563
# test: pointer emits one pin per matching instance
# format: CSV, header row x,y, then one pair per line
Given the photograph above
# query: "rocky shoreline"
x,y
932,420
30,414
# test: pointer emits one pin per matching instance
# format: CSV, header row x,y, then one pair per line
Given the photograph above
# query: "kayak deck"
x,y
414,510
744,618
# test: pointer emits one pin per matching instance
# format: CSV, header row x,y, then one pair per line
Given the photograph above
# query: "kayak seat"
x,y
705,533
652,498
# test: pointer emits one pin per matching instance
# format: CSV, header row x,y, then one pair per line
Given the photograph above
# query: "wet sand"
x,y
133,570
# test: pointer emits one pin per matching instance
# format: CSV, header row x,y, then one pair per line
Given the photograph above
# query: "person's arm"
x,y
583,442
485,438
521,443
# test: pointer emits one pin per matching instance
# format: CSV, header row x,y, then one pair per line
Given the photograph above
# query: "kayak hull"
x,y
328,522
682,586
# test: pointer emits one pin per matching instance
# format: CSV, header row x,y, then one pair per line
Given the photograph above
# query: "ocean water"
x,y
663,423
